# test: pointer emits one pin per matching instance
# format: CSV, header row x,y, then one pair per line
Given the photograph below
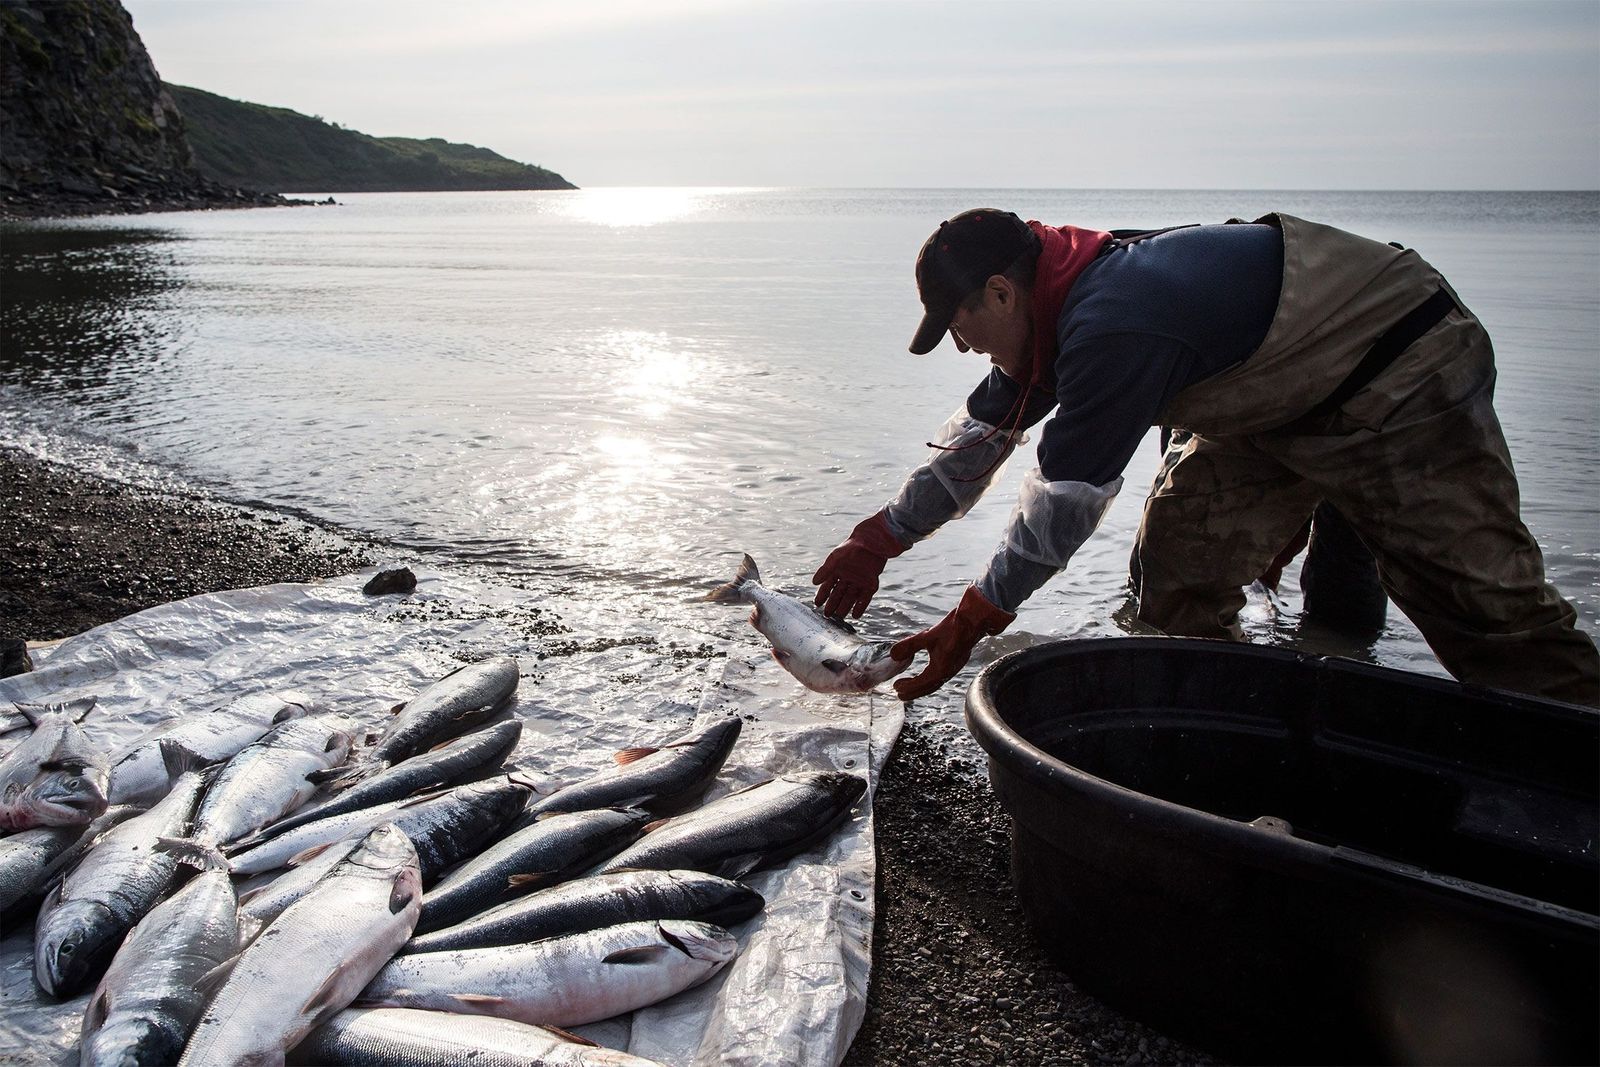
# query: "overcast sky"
x,y
1408,94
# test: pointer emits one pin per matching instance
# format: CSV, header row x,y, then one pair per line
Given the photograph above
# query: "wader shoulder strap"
x,y
1121,239
1395,340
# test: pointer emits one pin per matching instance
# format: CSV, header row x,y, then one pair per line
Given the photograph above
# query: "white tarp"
x,y
598,675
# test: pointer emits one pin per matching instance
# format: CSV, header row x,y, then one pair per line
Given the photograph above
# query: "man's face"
x,y
997,326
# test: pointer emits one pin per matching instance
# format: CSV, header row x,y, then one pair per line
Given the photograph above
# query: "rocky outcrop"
x,y
86,126
261,147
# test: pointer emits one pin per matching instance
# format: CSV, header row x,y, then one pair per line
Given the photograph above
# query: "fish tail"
x,y
77,710
733,591
195,853
178,760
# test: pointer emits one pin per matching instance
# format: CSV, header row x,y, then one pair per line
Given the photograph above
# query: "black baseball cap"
x,y
963,253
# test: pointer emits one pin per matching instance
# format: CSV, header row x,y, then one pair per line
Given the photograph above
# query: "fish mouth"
x,y
736,909
68,810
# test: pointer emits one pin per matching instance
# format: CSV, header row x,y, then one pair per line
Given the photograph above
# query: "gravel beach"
x,y
956,977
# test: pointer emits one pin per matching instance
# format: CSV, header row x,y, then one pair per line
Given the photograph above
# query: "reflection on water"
x,y
642,384
81,307
629,207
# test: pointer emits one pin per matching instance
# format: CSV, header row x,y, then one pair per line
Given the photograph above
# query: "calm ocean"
x,y
629,387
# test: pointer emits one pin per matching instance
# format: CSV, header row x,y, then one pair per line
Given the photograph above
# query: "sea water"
x,y
625,389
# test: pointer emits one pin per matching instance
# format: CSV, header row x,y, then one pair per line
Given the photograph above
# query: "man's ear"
x,y
1002,289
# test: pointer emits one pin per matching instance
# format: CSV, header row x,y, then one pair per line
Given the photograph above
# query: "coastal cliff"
x,y
262,147
88,127
85,123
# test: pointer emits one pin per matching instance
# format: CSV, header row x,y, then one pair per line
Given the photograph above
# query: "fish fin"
x,y
208,984
738,866
306,854
328,774
194,853
32,712
398,708
401,895
655,824
421,798
474,998
837,666
481,709
543,785
747,788
567,1035
637,954
732,592
781,656
842,625
70,763
517,881
327,1000
95,1014
631,755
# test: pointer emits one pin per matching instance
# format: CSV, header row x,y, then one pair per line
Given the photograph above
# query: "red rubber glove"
x,y
949,643
848,578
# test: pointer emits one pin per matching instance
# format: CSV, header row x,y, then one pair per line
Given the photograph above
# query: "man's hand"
x,y
848,578
949,643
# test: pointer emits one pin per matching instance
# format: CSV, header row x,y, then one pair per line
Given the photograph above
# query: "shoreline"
x,y
19,206
956,977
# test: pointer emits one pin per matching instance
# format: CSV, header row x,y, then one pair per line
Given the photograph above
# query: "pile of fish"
x,y
266,879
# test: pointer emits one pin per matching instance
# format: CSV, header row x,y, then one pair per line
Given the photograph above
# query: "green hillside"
x,y
273,148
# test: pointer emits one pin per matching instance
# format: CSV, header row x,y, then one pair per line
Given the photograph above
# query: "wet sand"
x,y
956,977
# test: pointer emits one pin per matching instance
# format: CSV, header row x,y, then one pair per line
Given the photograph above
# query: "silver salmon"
x,y
554,849
596,902
125,874
465,756
32,859
410,1037
54,778
148,1001
753,828
269,778
137,773
313,959
660,780
445,827
825,655
466,697
566,981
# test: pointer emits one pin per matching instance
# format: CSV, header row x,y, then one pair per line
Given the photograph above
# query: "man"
x,y
1306,363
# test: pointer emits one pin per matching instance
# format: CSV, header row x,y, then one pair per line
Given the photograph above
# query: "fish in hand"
x,y
825,655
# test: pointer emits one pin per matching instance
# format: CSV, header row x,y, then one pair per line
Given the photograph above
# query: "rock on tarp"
x,y
602,670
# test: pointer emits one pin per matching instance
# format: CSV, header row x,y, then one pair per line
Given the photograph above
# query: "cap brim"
x,y
931,332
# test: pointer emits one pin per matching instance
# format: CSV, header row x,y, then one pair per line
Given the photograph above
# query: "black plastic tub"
x,y
1295,859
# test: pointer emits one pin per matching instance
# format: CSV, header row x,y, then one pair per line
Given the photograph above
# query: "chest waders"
x,y
1373,389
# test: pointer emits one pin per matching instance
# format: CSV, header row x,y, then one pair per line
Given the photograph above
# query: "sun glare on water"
x,y
630,207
